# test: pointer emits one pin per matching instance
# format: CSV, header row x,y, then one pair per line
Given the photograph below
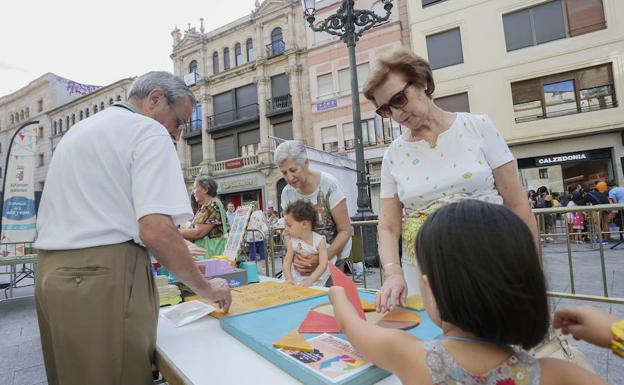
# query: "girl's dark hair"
x,y
484,272
302,211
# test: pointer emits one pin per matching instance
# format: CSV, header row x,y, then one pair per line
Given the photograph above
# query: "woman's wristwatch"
x,y
617,343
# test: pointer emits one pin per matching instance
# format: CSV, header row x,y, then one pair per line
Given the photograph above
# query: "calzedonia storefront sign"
x,y
563,158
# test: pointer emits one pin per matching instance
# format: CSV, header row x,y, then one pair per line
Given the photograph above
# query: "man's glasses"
x,y
182,124
398,100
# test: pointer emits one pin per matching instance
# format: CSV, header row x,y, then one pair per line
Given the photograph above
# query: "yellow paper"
x,y
415,302
367,306
294,341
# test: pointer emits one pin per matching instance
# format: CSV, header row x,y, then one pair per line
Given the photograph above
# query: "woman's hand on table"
x,y
219,292
305,264
394,290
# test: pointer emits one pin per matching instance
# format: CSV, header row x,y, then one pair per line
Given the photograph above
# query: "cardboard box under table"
x,y
259,329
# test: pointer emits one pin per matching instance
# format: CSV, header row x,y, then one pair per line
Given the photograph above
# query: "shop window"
x,y
583,90
325,84
543,173
445,49
551,21
454,103
329,137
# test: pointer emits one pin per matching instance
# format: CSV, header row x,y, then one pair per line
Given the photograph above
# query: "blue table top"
x,y
259,329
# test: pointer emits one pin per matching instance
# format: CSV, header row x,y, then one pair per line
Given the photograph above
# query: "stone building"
x,y
250,79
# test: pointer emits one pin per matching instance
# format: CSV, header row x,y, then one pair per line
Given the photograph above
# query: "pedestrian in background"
x,y
113,187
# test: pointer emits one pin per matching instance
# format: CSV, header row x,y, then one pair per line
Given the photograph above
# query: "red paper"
x,y
316,322
339,279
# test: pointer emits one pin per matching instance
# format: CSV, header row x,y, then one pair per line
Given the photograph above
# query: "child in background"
x,y
484,287
300,219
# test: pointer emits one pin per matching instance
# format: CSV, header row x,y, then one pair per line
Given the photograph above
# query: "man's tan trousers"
x,y
98,311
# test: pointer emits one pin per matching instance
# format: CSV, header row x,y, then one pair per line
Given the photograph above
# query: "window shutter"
x,y
585,16
526,91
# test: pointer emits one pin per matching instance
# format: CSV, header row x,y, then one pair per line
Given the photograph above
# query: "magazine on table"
x,y
333,358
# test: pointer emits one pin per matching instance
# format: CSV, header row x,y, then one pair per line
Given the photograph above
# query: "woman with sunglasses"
x,y
442,157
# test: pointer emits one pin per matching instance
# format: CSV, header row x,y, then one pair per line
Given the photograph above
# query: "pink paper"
x,y
339,279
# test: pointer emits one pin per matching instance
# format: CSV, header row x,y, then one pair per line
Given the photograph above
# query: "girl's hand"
x,y
585,323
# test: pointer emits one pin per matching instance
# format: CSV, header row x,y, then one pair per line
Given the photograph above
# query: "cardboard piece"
x,y
340,279
294,341
265,294
415,302
398,315
316,322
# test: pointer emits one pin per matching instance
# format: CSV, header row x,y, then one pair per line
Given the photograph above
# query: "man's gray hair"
x,y
290,150
207,183
174,88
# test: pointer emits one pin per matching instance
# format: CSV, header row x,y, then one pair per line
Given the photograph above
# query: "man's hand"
x,y
305,264
217,290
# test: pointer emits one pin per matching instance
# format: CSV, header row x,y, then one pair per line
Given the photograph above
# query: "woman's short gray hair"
x,y
174,88
208,184
290,150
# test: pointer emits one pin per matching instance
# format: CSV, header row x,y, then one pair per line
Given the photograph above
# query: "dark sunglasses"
x,y
398,100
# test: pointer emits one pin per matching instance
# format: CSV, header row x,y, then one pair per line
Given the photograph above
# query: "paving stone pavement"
x,y
21,361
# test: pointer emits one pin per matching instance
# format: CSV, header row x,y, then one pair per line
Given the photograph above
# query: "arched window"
x,y
250,51
22,115
226,58
61,125
81,115
73,119
27,112
193,67
215,63
54,128
67,122
86,112
277,41
95,109
238,54
101,106
111,101
12,119
118,98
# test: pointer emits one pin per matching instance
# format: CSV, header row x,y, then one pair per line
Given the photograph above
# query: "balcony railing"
x,y
276,48
245,161
279,105
192,172
193,129
233,117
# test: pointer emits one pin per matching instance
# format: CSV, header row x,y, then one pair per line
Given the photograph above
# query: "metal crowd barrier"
x,y
12,255
594,230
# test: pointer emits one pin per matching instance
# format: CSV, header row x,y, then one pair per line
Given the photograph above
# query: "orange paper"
x,y
367,306
398,315
316,322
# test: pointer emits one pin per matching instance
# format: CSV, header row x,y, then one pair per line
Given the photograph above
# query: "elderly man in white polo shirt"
x,y
114,186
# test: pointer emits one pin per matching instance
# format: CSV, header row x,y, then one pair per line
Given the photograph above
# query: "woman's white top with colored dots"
x,y
458,167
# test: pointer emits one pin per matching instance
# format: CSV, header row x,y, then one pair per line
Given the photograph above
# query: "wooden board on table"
x,y
264,295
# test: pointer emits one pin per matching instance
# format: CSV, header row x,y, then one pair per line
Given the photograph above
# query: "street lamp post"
x,y
349,24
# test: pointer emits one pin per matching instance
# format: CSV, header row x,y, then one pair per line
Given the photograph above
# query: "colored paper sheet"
x,y
367,306
294,341
316,322
340,279
399,315
415,302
